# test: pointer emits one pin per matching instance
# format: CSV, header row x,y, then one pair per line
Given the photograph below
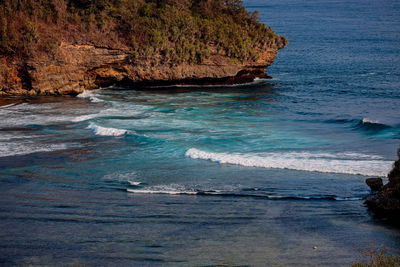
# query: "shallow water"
x,y
254,174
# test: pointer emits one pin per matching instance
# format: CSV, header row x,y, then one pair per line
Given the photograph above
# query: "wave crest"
x,y
89,94
347,163
98,130
372,125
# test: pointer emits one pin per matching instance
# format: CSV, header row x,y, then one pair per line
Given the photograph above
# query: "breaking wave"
x,y
98,130
364,124
89,94
135,183
372,125
347,163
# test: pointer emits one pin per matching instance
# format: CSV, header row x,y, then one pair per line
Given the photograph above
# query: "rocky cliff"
x,y
386,199
66,46
75,67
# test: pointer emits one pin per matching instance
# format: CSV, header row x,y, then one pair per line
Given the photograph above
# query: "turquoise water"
x,y
255,174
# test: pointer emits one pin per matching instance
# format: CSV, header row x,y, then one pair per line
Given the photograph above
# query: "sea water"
x,y
268,174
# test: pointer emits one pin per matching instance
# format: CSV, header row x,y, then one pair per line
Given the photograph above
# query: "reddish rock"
x,y
75,67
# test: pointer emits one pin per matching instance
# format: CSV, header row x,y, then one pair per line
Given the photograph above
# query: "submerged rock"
x,y
386,201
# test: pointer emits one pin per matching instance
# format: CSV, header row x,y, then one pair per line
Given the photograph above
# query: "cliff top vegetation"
x,y
179,30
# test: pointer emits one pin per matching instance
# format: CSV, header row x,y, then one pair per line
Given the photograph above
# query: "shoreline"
x,y
246,79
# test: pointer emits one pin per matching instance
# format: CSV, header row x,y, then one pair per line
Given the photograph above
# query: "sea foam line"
x,y
362,165
9,105
98,130
8,149
230,194
256,81
166,192
84,117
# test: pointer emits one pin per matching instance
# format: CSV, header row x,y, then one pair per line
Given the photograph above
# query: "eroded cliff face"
x,y
74,68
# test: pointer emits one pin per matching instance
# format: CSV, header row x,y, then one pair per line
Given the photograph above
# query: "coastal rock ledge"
x,y
386,199
58,47
75,67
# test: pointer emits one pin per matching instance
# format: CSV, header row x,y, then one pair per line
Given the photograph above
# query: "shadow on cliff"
x,y
245,91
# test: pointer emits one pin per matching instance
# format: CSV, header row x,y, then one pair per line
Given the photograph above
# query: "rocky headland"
x,y
386,198
77,45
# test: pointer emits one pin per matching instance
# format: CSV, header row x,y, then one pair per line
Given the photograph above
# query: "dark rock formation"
x,y
386,201
375,184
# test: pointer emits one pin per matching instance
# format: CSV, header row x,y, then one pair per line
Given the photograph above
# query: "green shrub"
x,y
186,27
378,258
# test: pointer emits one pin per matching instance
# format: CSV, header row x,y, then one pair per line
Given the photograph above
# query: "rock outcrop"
x,y
386,201
375,184
73,68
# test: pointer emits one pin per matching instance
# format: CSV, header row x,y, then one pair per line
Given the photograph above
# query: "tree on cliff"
x,y
179,30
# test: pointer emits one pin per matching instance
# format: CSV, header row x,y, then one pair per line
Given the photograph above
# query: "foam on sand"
x,y
98,130
347,163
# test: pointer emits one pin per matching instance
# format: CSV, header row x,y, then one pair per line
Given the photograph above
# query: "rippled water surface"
x,y
255,174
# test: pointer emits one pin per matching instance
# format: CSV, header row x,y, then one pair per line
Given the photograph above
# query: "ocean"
x,y
270,173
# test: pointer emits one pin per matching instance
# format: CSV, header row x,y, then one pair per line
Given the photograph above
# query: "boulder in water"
x,y
375,184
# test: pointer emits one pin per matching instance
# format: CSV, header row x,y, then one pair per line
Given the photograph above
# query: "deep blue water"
x,y
255,174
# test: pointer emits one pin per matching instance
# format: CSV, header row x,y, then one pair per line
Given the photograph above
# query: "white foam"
x,y
366,120
134,183
24,148
125,177
98,130
256,81
41,114
85,93
172,189
168,190
89,94
84,117
149,191
9,105
313,162
348,198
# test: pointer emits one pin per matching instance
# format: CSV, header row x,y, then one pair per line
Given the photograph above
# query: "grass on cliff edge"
x,y
177,30
379,259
